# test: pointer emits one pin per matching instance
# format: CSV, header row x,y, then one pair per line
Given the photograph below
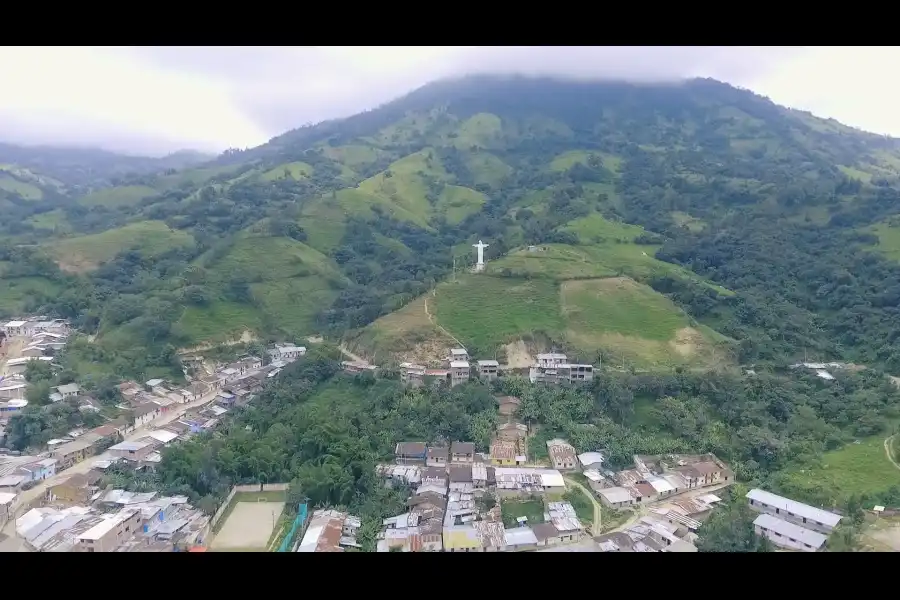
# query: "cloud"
x,y
153,100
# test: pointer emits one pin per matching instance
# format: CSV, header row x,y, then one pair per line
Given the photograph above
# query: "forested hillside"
x,y
692,225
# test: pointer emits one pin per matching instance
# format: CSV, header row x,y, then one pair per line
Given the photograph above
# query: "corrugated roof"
x,y
797,508
790,531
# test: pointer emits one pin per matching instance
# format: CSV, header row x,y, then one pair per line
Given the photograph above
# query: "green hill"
x,y
679,225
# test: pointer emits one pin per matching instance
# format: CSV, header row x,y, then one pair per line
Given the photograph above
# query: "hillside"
x,y
661,226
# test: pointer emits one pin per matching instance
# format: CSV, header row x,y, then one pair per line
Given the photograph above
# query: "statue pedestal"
x,y
479,268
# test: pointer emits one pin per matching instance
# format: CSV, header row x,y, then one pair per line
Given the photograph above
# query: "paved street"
x,y
11,544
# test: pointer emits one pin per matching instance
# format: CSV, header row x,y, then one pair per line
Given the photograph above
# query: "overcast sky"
x,y
156,100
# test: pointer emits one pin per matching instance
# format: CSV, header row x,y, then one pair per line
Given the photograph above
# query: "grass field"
x,y
54,220
16,292
24,189
294,170
456,203
406,334
484,312
888,240
128,195
532,508
249,522
567,160
150,238
487,168
218,321
861,468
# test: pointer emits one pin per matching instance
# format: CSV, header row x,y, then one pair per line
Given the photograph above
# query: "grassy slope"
x,y
88,251
15,293
26,190
128,195
859,468
290,282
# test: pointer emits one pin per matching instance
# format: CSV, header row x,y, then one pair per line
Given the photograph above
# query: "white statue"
x,y
480,246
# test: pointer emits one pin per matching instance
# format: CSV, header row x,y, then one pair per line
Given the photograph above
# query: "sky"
x,y
154,100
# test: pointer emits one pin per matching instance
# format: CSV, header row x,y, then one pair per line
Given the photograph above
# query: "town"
x,y
459,500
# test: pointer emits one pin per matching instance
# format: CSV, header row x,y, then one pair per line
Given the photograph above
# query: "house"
x,y
459,354
462,452
704,473
287,352
8,507
797,513
133,451
412,374
330,531
419,530
410,452
591,460
616,497
512,431
69,390
434,476
459,371
74,452
10,408
547,535
788,535
110,533
488,370
525,480
145,413
75,490
562,455
520,538
38,470
14,390
12,483
549,360
508,405
250,363
461,478
14,328
225,399
504,453
563,517
153,384
437,456
163,436
213,382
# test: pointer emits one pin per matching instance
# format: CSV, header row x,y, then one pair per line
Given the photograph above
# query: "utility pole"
x,y
454,268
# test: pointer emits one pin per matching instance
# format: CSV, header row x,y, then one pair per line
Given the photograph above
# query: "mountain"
x,y
693,225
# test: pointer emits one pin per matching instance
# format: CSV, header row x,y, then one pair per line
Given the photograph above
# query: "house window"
x,y
804,519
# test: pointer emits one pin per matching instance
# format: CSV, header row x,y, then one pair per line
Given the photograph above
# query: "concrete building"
x,y
287,352
437,457
13,391
488,370
459,354
69,390
462,452
562,455
8,507
110,533
800,514
787,535
616,497
330,531
412,374
410,452
14,328
133,451
526,480
10,408
39,470
504,452
460,371
70,453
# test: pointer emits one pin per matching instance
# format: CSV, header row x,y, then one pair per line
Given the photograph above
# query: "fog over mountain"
x,y
154,100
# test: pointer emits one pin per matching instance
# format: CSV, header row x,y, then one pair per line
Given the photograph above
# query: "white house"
x,y
14,328
69,390
787,535
795,512
287,352
145,413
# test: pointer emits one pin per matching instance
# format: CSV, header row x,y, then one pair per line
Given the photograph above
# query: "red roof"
x,y
197,549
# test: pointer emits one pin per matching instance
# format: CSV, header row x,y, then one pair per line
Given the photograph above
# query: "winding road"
x,y
887,450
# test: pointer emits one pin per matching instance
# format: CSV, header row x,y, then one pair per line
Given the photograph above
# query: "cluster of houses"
x,y
78,516
329,531
789,524
653,478
549,368
42,338
454,508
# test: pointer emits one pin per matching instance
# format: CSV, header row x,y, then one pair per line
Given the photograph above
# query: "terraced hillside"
x,y
642,222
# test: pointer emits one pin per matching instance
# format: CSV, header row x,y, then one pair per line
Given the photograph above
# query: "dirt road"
x,y
351,356
887,450
596,528
28,496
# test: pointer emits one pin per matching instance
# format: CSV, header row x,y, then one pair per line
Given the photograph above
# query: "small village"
x,y
52,500
460,500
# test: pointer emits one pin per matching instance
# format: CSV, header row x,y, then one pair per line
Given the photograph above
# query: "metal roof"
x,y
790,531
614,495
792,507
459,364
